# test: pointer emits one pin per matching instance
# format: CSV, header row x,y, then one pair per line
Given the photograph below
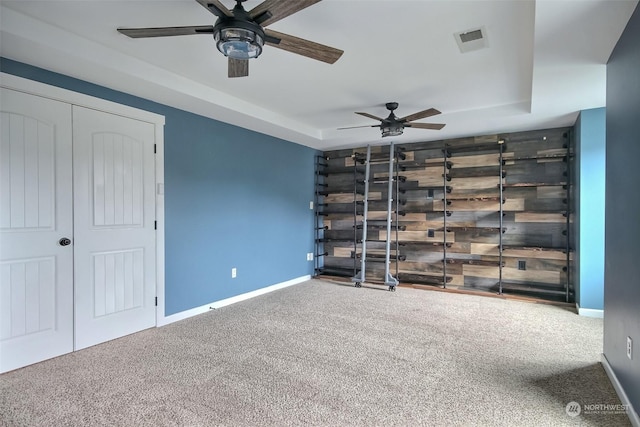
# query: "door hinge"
x,y
155,148
156,301
155,225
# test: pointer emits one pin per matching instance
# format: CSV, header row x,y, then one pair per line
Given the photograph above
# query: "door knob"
x,y
64,241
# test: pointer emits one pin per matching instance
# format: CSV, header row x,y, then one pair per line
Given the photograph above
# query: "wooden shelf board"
x,y
475,199
470,148
423,278
486,294
454,229
539,157
533,248
533,184
532,288
474,262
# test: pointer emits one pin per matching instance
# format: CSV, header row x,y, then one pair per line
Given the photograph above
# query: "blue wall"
x,y
233,198
622,229
590,147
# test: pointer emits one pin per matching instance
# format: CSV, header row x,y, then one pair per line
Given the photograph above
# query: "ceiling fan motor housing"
x,y
239,36
391,126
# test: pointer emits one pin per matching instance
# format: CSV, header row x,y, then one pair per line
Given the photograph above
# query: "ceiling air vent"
x,y
473,39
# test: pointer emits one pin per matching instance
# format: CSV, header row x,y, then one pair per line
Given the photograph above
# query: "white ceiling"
x,y
545,61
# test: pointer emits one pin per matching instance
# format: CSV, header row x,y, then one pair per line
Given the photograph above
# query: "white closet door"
x,y
36,270
114,213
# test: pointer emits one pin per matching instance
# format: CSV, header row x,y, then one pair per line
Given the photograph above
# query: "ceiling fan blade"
x,y
355,127
216,7
166,31
371,116
278,8
433,126
238,67
304,47
420,115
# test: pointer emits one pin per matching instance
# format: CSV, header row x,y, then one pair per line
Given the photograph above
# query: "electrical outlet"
x,y
310,256
234,273
629,348
311,205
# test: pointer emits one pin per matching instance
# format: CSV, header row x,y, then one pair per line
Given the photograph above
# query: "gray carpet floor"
x,y
323,353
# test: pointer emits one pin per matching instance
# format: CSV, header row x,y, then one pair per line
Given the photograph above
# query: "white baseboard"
x,y
624,399
227,301
590,312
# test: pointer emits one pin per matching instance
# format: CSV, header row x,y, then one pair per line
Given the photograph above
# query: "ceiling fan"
x,y
393,126
240,35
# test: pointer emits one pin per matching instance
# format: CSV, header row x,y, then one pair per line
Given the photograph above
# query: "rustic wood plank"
x,y
435,247
470,172
537,263
338,262
341,198
558,152
540,217
434,268
517,287
422,225
416,236
343,252
330,272
540,276
479,205
551,192
478,160
423,278
487,263
535,253
457,280
487,144
473,228
484,249
477,195
533,184
522,252
474,183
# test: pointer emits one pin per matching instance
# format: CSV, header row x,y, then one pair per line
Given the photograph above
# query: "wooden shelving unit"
x,y
490,213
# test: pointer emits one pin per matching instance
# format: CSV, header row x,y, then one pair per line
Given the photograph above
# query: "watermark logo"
x,y
573,409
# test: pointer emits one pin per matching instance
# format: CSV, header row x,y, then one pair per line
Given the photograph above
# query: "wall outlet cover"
x,y
234,273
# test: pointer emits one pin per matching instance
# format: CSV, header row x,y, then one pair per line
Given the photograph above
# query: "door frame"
x,y
33,87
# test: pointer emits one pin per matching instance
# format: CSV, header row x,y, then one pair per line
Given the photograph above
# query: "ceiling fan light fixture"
x,y
391,129
239,41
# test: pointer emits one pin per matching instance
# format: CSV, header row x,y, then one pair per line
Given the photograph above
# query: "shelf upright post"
x,y
316,222
320,163
397,219
501,221
355,212
444,220
568,211
389,280
360,277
